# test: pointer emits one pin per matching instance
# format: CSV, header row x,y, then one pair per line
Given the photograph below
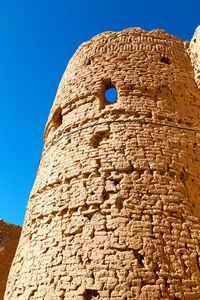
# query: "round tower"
x,y
115,209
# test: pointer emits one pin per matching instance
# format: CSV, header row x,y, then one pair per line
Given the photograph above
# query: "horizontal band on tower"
x,y
118,121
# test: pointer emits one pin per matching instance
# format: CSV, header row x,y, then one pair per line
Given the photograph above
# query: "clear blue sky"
x,y
37,40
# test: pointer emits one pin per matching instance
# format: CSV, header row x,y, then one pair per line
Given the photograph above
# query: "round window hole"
x,y
111,95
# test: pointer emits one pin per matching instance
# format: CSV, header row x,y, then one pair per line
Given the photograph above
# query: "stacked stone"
x,y
114,211
9,237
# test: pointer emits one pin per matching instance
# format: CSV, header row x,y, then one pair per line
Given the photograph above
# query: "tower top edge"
x,y
156,33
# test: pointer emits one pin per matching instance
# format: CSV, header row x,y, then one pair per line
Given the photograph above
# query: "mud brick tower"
x,y
9,237
115,209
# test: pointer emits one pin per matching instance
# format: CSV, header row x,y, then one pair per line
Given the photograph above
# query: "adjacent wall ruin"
x,y
9,237
114,211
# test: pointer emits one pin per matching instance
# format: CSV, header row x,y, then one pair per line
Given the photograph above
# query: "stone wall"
x,y
9,237
114,211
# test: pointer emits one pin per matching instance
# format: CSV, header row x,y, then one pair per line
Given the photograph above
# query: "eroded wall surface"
x,y
114,211
9,238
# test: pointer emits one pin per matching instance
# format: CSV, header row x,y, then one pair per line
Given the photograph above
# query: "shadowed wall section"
x,y
9,237
114,211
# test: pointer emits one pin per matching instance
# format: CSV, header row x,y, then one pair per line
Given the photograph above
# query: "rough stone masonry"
x,y
115,209
9,237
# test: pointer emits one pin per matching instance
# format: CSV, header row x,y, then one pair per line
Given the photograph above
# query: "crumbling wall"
x,y
115,209
9,237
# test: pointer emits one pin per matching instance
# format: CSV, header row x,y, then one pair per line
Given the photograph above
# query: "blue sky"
x,y
37,39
